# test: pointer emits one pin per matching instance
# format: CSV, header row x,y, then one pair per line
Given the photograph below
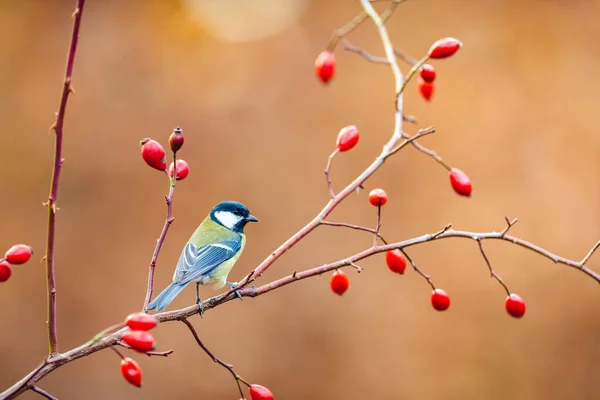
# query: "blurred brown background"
x,y
516,108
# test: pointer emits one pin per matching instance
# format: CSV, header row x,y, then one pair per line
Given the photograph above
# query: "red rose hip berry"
x,y
426,89
325,66
154,154
460,182
515,306
427,73
176,140
258,392
347,138
339,282
5,271
183,169
395,261
19,254
444,48
131,371
140,321
440,300
378,197
141,341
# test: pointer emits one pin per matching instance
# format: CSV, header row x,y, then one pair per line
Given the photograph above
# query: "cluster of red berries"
x,y
443,48
16,255
396,262
348,138
154,154
139,339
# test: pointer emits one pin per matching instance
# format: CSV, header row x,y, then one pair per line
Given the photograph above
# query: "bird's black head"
x,y
232,215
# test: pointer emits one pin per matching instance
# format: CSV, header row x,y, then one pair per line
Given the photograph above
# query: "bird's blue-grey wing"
x,y
195,261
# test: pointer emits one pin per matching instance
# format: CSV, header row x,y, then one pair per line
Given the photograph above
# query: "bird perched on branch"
x,y
210,253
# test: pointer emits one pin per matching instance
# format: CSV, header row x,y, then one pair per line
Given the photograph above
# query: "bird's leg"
x,y
232,285
199,300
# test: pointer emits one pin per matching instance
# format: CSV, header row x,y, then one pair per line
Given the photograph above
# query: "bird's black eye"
x,y
237,212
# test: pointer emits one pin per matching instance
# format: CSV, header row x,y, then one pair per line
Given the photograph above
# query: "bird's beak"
x,y
251,218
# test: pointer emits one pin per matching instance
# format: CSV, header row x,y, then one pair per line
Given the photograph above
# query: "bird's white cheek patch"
x,y
227,218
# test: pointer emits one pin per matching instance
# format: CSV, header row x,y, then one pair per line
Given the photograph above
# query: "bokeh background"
x,y
516,108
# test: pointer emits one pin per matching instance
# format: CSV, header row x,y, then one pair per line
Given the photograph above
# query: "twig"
x,y
364,54
149,353
356,227
228,367
428,152
327,168
509,225
413,70
358,268
405,57
43,393
117,352
417,270
489,265
57,166
168,221
345,30
389,53
585,259
378,226
387,13
411,139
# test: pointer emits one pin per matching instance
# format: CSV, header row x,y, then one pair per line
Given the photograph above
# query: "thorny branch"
x,y
57,126
163,234
109,338
177,315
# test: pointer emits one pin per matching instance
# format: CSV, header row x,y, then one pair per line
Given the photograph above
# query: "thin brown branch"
x,y
509,225
57,126
585,259
181,314
411,73
43,393
340,33
378,226
364,54
358,268
442,234
489,265
356,227
387,13
327,168
348,46
417,270
411,139
405,57
163,234
149,353
428,152
228,367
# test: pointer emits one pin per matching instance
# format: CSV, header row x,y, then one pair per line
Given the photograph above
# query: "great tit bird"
x,y
210,253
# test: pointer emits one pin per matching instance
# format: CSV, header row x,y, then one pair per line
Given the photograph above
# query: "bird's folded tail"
x,y
161,301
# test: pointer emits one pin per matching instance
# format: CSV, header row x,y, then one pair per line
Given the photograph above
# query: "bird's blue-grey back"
x,y
198,262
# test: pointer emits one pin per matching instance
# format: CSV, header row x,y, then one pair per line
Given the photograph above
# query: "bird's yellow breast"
x,y
218,276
